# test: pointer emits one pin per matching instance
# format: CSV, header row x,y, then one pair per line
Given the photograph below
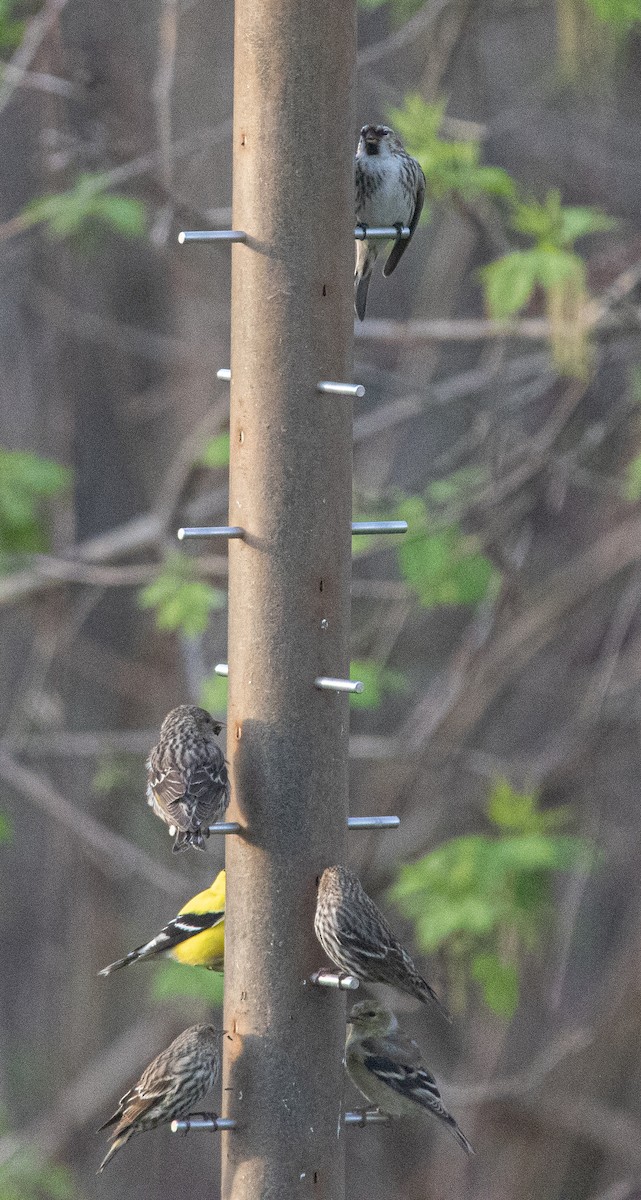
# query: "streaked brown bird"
x,y
390,190
387,1067
355,935
187,782
169,1087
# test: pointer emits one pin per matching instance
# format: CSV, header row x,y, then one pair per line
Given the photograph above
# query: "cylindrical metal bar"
x,y
211,235
224,827
369,1116
359,527
289,603
338,980
222,669
200,531
381,233
214,1124
373,822
340,389
325,683
224,373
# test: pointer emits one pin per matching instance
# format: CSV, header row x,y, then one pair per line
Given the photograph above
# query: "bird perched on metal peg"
x,y
195,937
187,782
390,190
355,935
387,1067
169,1087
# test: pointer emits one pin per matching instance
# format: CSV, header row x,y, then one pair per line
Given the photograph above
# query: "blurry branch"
x,y
89,1096
63,571
135,536
38,81
111,852
37,30
625,1189
66,744
521,1081
475,329
609,1129
105,331
405,36
162,100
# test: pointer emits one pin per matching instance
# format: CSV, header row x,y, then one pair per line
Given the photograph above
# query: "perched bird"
x,y
355,935
387,1067
195,937
169,1087
187,783
390,190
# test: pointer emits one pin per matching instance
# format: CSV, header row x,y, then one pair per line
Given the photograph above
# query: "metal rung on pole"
x,y
326,684
334,979
340,389
222,531
376,233
373,822
369,1116
224,373
235,531
211,235
359,527
201,1122
380,233
225,827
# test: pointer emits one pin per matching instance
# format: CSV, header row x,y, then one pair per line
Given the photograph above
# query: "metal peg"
x,y
379,527
340,389
224,373
222,669
373,822
222,531
212,235
325,684
334,979
368,1116
202,1122
225,827
380,233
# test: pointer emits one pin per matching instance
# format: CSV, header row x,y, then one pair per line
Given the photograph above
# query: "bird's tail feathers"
x,y
458,1134
117,1145
426,993
361,287
366,254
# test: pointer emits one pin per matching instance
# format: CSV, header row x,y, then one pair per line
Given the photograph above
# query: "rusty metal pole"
x,y
289,578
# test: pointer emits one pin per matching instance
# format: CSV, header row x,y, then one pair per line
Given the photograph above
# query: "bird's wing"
x,y
122,1104
185,926
389,1062
400,246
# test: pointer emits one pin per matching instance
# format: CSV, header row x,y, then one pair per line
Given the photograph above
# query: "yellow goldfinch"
x,y
195,937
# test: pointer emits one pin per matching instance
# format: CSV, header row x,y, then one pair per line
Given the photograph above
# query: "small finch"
x,y
195,937
355,935
390,190
169,1087
388,1069
187,783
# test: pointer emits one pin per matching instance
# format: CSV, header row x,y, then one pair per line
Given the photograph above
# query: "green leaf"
x,y
499,983
6,828
509,283
172,979
377,680
213,694
621,15
632,482
25,480
181,602
445,568
216,452
125,215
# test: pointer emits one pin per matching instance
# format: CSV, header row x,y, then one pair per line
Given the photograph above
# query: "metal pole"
x,y
290,491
